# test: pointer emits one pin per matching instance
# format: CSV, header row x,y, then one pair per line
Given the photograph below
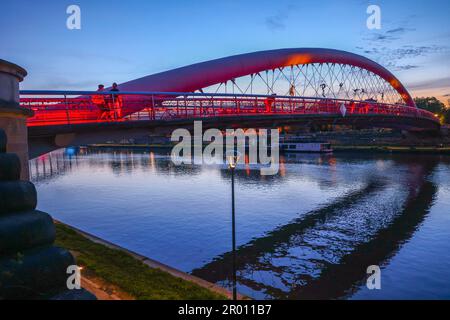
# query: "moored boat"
x,y
319,147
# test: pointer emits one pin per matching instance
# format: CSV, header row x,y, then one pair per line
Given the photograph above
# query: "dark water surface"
x,y
308,232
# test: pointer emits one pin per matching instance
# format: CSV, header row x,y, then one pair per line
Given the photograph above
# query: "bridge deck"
x,y
90,108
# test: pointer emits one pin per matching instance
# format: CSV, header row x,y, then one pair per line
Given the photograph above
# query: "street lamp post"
x,y
233,231
232,161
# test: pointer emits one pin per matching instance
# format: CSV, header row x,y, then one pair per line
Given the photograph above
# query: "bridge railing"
x,y
77,107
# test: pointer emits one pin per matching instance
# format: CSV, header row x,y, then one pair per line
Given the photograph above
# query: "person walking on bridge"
x,y
268,102
116,101
99,101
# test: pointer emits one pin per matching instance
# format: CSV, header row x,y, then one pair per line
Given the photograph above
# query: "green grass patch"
x,y
128,273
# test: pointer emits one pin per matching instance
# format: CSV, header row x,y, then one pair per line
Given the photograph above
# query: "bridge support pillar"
x,y
31,267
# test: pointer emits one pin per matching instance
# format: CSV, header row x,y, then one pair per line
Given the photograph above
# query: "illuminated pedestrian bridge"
x,y
266,88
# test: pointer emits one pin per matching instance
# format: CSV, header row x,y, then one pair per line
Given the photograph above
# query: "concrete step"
x,y
16,196
9,167
34,273
2,141
25,230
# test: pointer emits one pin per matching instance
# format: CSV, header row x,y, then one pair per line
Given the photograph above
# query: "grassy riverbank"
x,y
126,272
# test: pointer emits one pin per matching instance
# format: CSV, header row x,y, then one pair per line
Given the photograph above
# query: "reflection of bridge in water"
x,y
61,162
325,253
58,163
52,165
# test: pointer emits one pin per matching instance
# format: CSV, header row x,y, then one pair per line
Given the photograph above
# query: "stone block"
x,y
9,166
17,196
35,273
25,230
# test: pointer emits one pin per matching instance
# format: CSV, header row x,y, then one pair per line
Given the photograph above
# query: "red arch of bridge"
x,y
204,74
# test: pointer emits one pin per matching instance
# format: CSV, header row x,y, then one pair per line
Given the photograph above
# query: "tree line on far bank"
x,y
435,106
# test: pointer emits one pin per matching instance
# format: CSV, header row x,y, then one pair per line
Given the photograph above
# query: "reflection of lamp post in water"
x,y
232,160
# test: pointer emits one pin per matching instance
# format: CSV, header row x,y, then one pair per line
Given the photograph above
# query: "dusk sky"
x,y
124,40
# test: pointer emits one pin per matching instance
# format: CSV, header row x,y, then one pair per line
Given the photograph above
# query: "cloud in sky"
x,y
278,20
404,52
381,37
383,46
407,67
395,58
399,30
432,88
389,35
443,82
398,49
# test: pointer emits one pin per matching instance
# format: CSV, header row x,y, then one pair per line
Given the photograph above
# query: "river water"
x,y
308,232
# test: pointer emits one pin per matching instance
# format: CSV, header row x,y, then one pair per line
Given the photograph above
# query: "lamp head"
x,y
232,158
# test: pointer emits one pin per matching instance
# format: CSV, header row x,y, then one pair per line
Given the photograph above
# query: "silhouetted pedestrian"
x,y
116,101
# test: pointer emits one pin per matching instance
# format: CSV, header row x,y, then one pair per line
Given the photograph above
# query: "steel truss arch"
x,y
202,75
